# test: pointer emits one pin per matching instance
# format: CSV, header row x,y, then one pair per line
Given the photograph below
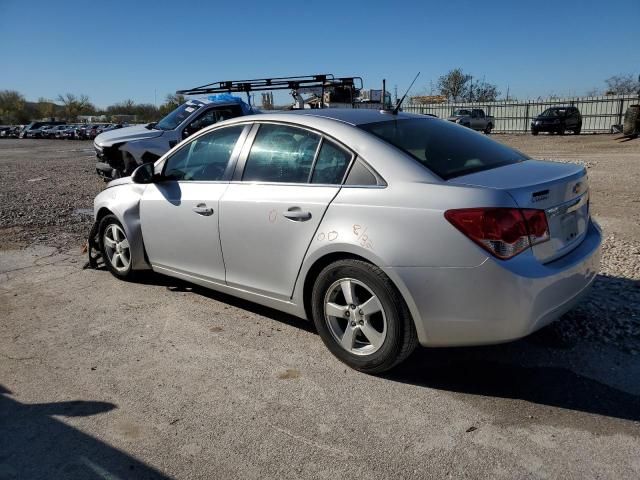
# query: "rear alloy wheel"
x,y
115,248
361,317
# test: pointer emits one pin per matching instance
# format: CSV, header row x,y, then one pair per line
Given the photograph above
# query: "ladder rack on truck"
x,y
322,81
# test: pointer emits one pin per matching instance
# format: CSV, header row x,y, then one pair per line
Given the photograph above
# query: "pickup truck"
x,y
120,151
473,118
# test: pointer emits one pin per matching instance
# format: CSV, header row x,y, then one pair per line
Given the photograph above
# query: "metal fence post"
x,y
620,111
526,118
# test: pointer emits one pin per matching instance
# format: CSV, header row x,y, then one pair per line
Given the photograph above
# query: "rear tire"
x,y
115,248
488,129
368,328
578,129
561,130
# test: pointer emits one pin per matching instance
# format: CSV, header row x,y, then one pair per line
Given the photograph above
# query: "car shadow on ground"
x,y
535,369
498,371
34,444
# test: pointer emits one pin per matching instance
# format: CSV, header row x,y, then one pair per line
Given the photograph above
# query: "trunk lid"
x,y
560,189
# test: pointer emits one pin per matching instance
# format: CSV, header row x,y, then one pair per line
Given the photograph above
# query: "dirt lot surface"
x,y
157,379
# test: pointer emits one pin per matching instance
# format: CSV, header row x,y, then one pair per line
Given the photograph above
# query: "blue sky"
x,y
114,50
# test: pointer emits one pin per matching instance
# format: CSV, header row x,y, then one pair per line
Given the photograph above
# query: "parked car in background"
x,y
54,132
473,118
70,133
11,132
35,126
40,132
494,245
557,120
120,152
111,126
4,129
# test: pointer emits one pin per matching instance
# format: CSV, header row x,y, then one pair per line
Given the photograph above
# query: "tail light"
x,y
503,232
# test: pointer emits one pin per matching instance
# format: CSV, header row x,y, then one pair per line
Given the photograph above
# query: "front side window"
x,y
443,147
281,154
205,158
212,116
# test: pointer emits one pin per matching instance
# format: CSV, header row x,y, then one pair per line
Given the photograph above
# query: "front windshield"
x,y
554,112
176,117
443,147
460,113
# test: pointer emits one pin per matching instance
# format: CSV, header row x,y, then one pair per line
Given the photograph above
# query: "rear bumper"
x,y
546,127
497,301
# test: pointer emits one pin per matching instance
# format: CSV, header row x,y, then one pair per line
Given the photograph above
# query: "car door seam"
x,y
304,256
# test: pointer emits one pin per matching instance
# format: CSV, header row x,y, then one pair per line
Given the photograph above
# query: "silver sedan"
x,y
385,230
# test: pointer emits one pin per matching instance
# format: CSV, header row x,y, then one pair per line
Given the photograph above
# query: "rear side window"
x,y
331,164
281,154
446,149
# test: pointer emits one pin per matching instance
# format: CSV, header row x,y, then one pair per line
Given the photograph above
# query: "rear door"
x,y
477,119
286,178
179,215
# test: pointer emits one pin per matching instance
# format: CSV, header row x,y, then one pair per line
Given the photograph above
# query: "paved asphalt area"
x,y
101,378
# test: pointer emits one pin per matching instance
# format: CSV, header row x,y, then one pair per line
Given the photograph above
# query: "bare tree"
x,y
12,106
484,92
622,84
454,85
74,105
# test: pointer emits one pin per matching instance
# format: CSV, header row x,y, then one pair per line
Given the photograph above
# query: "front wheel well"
x,y
103,212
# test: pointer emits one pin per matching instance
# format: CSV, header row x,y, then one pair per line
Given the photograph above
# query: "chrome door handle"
x,y
202,209
296,214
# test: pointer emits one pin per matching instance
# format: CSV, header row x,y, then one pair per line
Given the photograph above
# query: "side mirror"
x,y
144,174
187,132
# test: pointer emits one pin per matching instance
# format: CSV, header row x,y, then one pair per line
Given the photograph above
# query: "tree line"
x,y
459,86
15,109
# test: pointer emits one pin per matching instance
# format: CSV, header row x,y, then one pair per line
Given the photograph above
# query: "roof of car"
x,y
353,116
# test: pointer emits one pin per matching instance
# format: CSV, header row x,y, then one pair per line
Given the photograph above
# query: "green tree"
x,y
172,101
12,107
46,108
454,85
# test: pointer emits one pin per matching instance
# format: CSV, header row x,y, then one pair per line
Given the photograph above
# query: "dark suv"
x,y
557,120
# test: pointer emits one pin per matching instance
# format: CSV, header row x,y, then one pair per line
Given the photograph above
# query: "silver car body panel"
x,y
456,292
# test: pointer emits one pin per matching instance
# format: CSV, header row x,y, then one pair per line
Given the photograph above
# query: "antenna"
x,y
397,108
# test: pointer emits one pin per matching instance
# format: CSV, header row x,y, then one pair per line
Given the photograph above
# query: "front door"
x,y
269,217
179,214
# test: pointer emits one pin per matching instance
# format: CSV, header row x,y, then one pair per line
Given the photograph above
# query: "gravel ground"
x,y
101,378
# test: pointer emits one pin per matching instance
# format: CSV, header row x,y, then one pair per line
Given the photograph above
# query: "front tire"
x,y
115,248
361,317
534,131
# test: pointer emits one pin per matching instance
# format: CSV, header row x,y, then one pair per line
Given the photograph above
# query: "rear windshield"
x,y
445,148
